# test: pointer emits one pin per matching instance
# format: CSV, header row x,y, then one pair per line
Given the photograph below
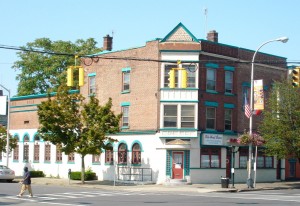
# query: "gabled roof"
x,y
180,34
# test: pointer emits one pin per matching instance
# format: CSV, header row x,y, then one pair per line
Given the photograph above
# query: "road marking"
x,y
248,196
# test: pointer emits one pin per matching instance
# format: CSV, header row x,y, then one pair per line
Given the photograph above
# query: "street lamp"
x,y
7,127
283,40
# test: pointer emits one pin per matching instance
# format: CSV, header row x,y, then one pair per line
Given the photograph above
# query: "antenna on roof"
x,y
112,33
205,23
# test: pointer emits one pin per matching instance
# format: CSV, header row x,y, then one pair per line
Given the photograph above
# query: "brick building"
x,y
176,133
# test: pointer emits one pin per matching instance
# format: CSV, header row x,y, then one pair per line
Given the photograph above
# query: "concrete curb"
x,y
199,188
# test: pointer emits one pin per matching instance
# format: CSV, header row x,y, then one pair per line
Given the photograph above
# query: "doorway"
x,y
177,165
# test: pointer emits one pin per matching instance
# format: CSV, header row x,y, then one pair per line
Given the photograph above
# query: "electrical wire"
x,y
88,59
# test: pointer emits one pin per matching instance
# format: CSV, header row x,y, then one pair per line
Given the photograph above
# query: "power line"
x,y
96,58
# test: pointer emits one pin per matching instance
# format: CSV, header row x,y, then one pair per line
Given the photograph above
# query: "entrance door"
x,y
177,166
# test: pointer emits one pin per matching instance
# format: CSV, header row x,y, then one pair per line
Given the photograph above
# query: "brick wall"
x,y
144,84
220,98
23,113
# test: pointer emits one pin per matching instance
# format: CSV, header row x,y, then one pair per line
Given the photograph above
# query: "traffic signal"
x,y
70,79
70,76
184,78
171,78
295,77
81,76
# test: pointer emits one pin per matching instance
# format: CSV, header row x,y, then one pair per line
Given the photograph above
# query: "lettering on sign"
x,y
212,139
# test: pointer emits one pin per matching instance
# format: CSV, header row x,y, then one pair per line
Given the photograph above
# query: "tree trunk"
x,y
82,169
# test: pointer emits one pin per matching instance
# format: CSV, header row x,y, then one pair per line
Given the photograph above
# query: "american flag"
x,y
248,112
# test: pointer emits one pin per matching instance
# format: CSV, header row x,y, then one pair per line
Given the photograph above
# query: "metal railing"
x,y
134,174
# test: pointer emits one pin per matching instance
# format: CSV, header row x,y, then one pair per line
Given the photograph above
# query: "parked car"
x,y
6,173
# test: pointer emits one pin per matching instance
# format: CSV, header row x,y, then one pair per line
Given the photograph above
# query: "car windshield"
x,y
3,167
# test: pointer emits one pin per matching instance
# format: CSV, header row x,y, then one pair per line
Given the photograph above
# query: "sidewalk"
x,y
201,188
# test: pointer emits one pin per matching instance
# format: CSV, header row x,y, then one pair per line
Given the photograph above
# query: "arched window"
x,y
136,154
36,148
96,159
16,150
58,154
71,157
122,154
47,152
26,149
109,155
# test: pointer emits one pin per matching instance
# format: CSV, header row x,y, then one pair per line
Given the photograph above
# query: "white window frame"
x,y
227,109
126,81
214,80
92,85
206,117
124,116
229,83
179,115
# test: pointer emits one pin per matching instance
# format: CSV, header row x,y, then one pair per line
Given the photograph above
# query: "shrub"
x,y
88,175
37,174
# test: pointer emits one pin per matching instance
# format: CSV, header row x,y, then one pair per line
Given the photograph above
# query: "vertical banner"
x,y
3,105
258,95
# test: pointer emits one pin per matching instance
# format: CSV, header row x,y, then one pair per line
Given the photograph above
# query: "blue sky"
x,y
245,24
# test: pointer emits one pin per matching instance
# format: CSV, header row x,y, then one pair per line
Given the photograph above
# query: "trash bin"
x,y
225,182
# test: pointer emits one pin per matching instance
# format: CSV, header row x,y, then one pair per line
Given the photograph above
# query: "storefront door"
x,y
177,165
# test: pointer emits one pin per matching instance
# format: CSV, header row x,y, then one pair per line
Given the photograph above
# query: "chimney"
x,y
212,36
107,43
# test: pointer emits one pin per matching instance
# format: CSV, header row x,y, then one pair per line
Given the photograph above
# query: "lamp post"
x,y
234,149
283,40
7,126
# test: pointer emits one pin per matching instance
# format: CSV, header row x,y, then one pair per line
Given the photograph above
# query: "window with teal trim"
x,y
36,149
26,149
16,150
58,154
71,157
228,119
92,85
109,155
126,80
136,154
210,118
125,116
187,116
210,157
122,154
211,79
47,152
229,82
96,159
170,116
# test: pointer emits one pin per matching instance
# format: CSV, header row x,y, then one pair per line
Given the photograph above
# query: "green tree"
x,y
78,126
280,127
42,72
3,140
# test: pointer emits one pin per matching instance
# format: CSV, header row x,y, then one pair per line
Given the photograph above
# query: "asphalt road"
x,y
78,196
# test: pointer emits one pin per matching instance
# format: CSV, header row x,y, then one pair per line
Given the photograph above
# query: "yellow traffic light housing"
x,y
296,77
184,78
171,78
70,77
81,76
